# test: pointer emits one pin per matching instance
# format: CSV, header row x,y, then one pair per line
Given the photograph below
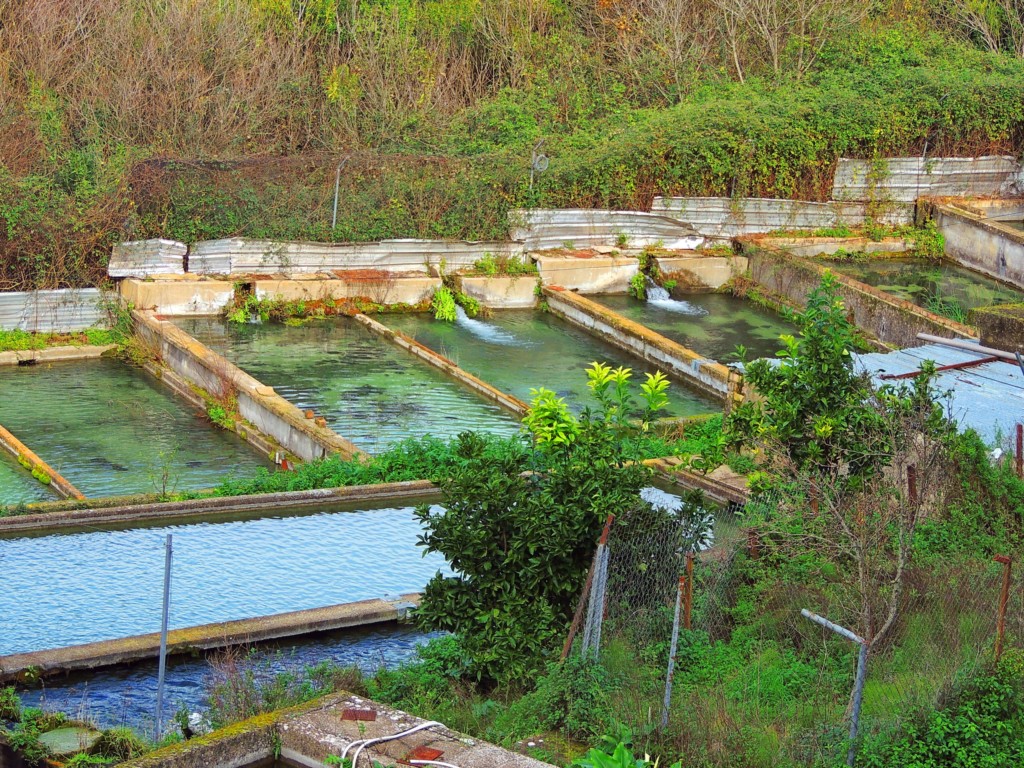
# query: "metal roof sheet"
x,y
988,397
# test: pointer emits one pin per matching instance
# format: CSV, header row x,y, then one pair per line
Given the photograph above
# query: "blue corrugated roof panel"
x,y
987,397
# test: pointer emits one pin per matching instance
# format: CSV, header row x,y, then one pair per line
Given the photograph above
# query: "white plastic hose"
x,y
433,762
363,743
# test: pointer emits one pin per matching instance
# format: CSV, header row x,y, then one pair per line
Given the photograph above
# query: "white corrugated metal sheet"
x,y
731,217
142,258
988,398
241,256
905,179
541,229
52,311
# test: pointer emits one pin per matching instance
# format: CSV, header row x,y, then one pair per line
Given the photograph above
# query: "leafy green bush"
x,y
979,723
572,697
443,305
10,704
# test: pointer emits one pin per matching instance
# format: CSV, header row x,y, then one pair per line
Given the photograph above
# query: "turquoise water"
x,y
516,350
925,282
715,325
369,390
96,585
17,485
111,429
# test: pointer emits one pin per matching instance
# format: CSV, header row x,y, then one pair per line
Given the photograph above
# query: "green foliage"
x,y
813,401
929,242
218,414
511,266
572,698
620,757
426,458
521,545
468,303
977,724
18,340
120,745
249,307
443,305
82,760
638,286
10,704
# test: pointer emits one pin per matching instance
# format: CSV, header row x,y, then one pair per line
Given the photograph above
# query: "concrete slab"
x,y
518,292
178,297
55,354
697,270
378,287
597,274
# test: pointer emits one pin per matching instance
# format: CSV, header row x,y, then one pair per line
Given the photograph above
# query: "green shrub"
x,y
443,305
572,698
10,704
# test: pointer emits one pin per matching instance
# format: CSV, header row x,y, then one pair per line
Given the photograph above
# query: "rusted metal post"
x,y
578,615
688,596
1004,598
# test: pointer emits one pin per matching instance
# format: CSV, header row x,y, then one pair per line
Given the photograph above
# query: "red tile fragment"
x,y
422,753
355,713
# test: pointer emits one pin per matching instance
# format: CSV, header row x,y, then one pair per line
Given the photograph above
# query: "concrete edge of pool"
x,y
108,653
55,354
71,519
30,461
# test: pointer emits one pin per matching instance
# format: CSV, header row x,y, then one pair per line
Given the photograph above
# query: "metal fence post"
x,y
858,685
168,549
666,702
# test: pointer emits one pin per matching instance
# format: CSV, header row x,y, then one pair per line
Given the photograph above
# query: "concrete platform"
x,y
55,354
204,637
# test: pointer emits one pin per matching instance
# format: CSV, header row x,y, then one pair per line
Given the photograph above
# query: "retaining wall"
x,y
697,270
268,412
982,244
892,320
726,217
518,292
545,228
709,376
74,309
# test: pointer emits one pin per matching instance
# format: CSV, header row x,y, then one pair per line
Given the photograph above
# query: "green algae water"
x,y
713,324
925,283
517,350
369,391
110,429
17,486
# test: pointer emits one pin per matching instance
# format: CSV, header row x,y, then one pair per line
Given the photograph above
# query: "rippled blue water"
x,y
127,695
78,588
368,390
111,429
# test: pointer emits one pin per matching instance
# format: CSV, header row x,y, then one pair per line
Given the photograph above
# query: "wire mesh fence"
x,y
722,629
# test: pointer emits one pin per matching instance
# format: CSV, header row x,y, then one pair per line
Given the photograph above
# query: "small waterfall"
x,y
658,297
484,331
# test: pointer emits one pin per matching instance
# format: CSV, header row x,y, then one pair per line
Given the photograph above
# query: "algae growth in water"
x,y
110,429
81,587
17,486
516,350
924,283
370,391
716,326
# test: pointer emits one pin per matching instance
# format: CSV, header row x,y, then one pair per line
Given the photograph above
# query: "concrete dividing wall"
x,y
709,376
518,292
64,311
982,244
544,228
32,463
826,246
905,179
725,217
383,288
893,321
178,297
267,412
55,354
241,256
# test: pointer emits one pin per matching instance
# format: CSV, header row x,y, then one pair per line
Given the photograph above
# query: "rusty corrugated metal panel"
x,y
142,258
52,311
905,179
731,217
542,229
238,255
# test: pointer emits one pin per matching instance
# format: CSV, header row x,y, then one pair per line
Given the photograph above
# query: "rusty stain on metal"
x,y
422,753
360,714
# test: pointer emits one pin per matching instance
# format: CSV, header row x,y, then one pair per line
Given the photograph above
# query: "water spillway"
x,y
713,324
103,584
110,429
369,391
525,349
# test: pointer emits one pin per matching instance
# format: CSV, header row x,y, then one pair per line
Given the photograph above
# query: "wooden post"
x,y
1020,450
688,595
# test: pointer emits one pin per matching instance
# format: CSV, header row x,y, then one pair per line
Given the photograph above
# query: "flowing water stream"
x,y
111,429
518,350
369,390
660,298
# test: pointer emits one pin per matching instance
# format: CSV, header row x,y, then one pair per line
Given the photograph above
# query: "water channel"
x,y
368,390
925,282
517,350
715,326
111,429
17,486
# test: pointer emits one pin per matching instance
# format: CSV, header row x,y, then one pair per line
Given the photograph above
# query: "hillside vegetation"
x,y
196,119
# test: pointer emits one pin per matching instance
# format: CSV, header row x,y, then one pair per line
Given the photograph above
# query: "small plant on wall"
x,y
443,305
